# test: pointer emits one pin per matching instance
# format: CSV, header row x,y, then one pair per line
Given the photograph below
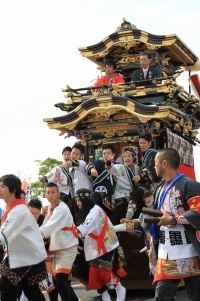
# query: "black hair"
x,y
52,184
109,146
147,193
147,54
79,146
67,148
171,156
35,203
84,195
97,198
13,183
146,136
110,62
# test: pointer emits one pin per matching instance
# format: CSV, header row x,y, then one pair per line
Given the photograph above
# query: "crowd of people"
x,y
89,203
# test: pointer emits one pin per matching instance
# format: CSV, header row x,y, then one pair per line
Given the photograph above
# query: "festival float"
x,y
120,113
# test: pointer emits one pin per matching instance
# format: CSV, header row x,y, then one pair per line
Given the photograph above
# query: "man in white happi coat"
x,y
23,265
177,233
59,227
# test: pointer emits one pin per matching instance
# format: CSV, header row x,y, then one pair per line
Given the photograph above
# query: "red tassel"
x,y
120,271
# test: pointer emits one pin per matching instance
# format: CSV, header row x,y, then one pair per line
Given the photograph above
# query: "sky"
x,y
39,56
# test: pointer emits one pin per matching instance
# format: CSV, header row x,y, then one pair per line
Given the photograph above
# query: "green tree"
x,y
38,188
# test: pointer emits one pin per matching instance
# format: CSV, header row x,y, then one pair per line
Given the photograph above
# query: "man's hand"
x,y
94,172
165,220
108,160
67,164
43,180
154,82
136,178
132,85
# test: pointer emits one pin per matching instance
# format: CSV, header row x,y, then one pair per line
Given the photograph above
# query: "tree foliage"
x,y
38,188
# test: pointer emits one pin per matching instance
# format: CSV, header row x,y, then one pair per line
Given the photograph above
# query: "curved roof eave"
x,y
111,105
126,39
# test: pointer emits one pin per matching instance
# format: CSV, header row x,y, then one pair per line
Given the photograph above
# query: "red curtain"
x,y
187,170
195,84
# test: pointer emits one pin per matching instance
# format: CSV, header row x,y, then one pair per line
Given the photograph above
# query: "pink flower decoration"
x,y
179,202
181,211
177,193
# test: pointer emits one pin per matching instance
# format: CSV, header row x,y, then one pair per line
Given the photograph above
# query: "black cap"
x,y
83,194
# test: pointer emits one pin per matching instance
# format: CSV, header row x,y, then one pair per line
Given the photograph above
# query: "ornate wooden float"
x,y
120,113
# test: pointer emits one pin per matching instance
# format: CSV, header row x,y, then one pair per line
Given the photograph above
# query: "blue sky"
x,y
39,56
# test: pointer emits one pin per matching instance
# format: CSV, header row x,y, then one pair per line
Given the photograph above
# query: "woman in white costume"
x,y
100,243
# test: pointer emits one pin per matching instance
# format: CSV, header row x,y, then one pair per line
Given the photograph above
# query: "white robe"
x,y
123,185
80,178
94,223
24,240
52,227
58,177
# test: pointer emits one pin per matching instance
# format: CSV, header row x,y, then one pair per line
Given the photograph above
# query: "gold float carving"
x,y
127,59
151,47
130,106
194,133
144,119
110,134
99,116
104,99
114,127
173,116
112,131
184,51
122,115
102,141
125,25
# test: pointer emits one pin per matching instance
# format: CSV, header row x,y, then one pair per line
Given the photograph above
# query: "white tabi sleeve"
x,y
16,222
89,224
56,222
53,174
115,170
